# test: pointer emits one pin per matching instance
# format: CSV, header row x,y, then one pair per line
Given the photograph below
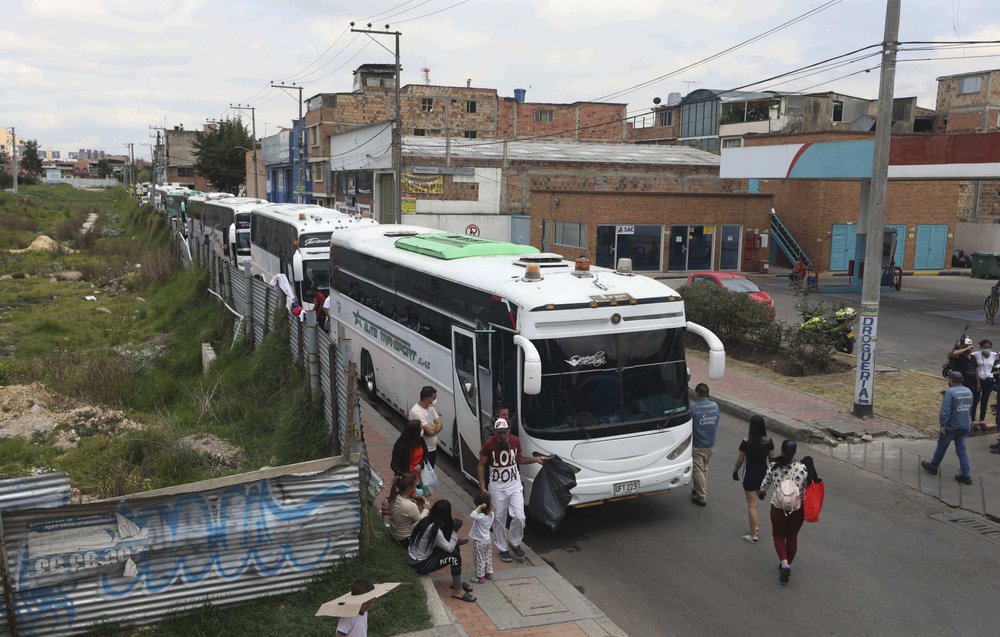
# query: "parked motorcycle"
x,y
963,341
838,327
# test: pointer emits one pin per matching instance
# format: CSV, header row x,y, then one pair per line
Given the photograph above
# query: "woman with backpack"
x,y
788,478
755,452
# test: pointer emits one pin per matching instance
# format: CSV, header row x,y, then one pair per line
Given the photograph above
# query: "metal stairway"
x,y
786,242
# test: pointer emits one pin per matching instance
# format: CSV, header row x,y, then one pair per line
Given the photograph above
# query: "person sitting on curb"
x,y
434,544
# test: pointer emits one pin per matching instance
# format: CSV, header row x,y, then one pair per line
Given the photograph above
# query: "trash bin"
x,y
985,264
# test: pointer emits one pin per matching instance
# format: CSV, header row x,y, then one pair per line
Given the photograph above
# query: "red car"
x,y
734,282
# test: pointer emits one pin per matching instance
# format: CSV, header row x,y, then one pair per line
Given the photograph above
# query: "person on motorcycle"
x,y
961,361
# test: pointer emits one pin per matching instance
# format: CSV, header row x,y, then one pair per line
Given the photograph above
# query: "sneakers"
x,y
750,538
505,556
695,499
489,575
928,467
519,552
786,572
479,580
963,479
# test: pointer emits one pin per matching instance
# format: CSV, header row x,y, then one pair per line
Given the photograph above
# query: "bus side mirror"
x,y
716,352
532,378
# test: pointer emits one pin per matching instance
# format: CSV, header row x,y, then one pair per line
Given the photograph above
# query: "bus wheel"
x,y
367,377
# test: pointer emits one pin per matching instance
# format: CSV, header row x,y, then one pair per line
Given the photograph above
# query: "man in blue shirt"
x,y
704,422
955,424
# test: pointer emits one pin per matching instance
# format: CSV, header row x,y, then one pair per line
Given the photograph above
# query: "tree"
x,y
30,162
103,169
4,158
220,154
145,175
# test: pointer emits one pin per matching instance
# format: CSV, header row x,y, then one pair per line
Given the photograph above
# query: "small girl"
x,y
482,545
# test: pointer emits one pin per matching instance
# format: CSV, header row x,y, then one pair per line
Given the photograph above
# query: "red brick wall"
x,y
582,120
594,208
810,209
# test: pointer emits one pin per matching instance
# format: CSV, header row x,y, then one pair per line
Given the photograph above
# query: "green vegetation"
x,y
220,155
137,348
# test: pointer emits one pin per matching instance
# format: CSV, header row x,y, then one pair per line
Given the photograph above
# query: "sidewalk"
x,y
525,599
896,454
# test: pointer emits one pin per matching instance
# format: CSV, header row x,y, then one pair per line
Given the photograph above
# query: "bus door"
x,y
465,381
487,404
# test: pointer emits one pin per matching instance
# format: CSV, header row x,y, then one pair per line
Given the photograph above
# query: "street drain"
x,y
971,523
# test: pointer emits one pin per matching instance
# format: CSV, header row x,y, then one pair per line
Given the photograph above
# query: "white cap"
x,y
501,424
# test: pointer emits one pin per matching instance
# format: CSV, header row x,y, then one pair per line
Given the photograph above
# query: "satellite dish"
x,y
656,100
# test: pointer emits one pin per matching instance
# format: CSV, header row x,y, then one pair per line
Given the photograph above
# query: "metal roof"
x,y
557,150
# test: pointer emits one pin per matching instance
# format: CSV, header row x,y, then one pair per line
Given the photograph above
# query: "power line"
x,y
306,78
318,57
375,15
426,15
345,63
771,31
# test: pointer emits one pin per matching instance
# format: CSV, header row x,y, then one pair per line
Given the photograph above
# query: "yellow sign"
x,y
708,230
408,205
422,184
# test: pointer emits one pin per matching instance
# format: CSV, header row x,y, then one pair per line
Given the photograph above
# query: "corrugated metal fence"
x,y
135,559
139,558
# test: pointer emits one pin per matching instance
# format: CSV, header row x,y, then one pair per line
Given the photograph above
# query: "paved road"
x,y
917,326
875,565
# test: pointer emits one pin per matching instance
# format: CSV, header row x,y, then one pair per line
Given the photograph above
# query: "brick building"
x,y
177,155
822,215
970,103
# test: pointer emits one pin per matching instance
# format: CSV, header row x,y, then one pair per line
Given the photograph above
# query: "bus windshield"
x,y
242,242
315,272
608,384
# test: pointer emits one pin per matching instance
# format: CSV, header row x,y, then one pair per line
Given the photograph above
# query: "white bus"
x,y
294,240
226,222
589,361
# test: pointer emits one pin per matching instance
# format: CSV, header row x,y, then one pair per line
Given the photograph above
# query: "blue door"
x,y
729,254
900,242
842,246
931,244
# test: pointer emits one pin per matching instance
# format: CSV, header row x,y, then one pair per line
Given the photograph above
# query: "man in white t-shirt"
x,y
430,421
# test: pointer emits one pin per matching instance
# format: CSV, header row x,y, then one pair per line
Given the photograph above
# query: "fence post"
x,y
8,588
332,396
312,355
250,320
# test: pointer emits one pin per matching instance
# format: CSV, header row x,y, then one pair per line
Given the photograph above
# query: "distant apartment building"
x,y
970,103
177,157
430,110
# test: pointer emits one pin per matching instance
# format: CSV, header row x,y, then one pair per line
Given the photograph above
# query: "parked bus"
x,y
294,240
589,361
226,222
171,201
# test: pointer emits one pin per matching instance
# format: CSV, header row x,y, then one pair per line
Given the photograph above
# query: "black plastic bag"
x,y
550,492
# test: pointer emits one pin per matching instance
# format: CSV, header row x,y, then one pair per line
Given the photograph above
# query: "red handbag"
x,y
813,501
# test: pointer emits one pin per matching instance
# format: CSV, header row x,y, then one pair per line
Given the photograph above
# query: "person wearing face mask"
x,y
985,359
430,420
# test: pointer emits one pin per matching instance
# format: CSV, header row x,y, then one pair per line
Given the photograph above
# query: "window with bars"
x,y
426,105
570,233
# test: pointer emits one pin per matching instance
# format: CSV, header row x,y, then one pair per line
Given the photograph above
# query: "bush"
x,y
809,352
743,325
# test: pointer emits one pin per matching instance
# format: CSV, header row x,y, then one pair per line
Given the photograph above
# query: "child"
x,y
482,546
357,626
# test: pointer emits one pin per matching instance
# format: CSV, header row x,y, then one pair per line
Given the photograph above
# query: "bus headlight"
x,y
679,449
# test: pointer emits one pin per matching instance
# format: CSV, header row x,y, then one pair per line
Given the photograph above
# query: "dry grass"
x,y
908,397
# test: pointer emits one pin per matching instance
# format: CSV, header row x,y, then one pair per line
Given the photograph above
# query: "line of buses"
x,y
590,361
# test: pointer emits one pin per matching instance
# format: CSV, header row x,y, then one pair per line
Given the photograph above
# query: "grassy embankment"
x,y
138,348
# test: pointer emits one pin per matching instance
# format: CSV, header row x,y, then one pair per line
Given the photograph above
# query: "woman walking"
x,y
756,449
786,505
985,359
434,544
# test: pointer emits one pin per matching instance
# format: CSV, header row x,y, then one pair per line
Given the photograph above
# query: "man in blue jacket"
x,y
955,424
704,422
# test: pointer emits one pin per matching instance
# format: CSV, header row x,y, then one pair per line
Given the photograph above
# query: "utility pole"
x,y
13,154
160,144
864,385
299,156
397,138
253,124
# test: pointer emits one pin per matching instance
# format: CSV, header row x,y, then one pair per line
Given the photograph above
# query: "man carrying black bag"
x,y
550,492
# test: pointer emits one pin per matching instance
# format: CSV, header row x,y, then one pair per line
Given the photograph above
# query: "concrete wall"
x,y
977,237
490,226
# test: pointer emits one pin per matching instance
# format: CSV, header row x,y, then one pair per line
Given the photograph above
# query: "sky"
x,y
99,74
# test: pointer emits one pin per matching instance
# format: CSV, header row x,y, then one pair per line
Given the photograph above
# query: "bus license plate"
x,y
626,488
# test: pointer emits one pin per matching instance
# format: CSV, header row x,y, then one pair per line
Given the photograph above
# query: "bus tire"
x,y
366,379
